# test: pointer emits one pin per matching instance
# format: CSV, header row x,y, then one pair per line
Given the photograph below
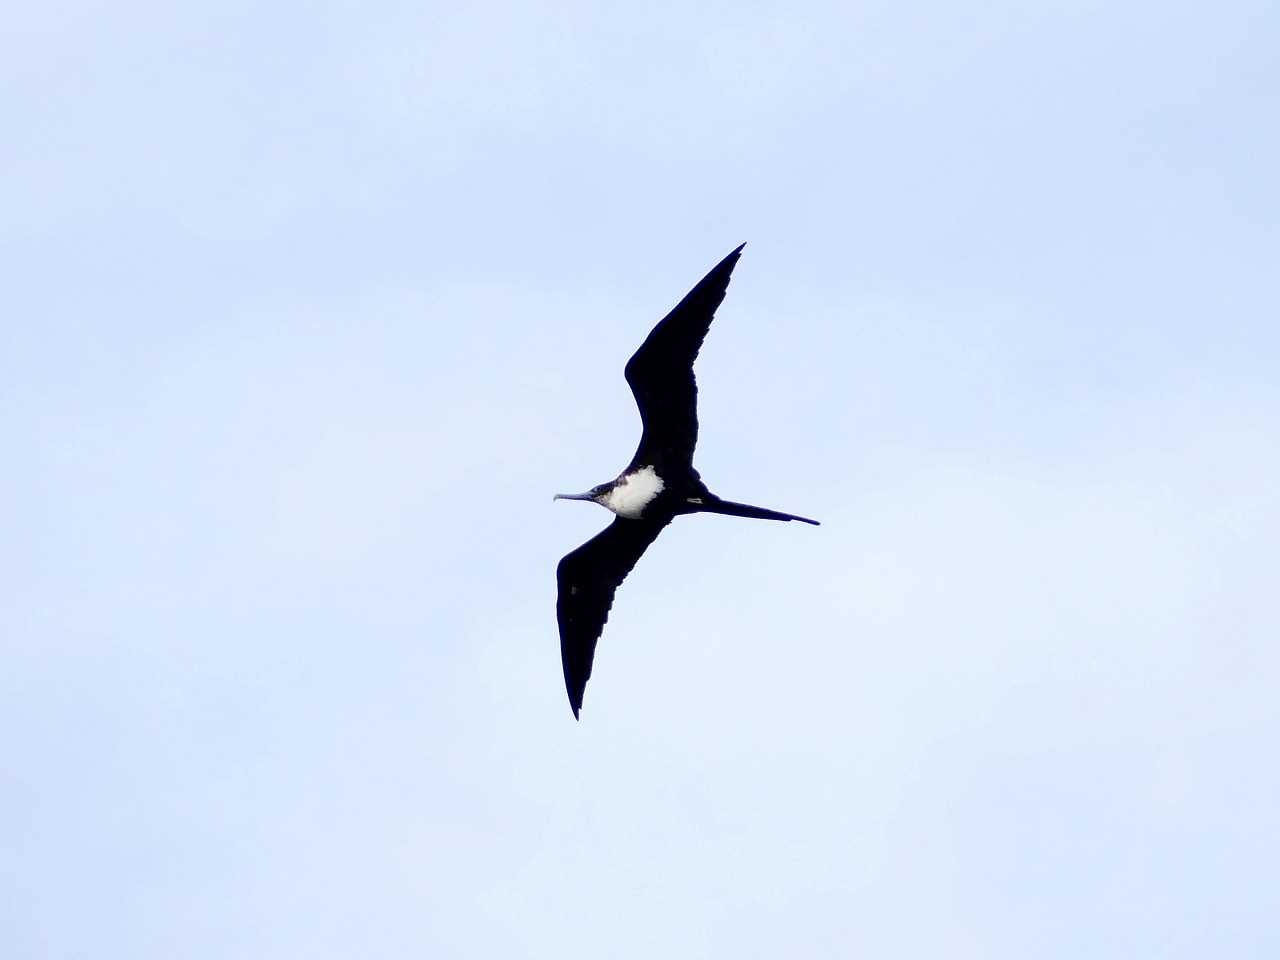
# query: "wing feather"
x,y
661,372
587,579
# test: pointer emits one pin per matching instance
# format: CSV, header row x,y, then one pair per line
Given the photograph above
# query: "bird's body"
x,y
658,485
633,493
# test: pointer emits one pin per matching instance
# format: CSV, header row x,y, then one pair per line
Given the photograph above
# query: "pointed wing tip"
x,y
731,261
575,701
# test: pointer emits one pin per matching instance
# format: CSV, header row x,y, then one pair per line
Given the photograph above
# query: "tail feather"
x,y
729,508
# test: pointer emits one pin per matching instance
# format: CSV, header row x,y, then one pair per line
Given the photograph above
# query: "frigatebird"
x,y
658,485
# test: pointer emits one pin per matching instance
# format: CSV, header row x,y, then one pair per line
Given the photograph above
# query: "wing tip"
x,y
576,691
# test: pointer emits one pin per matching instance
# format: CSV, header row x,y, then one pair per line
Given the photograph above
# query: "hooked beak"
x,y
573,496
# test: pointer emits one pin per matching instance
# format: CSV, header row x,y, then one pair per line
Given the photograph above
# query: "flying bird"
x,y
658,485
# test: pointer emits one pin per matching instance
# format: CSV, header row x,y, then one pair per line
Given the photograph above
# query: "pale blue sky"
x,y
309,310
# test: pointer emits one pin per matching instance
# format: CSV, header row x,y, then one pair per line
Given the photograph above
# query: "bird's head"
x,y
596,494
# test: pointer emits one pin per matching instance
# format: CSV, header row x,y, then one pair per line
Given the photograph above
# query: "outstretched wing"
x,y
587,579
661,372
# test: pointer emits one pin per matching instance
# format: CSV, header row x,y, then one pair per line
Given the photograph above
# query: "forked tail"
x,y
728,507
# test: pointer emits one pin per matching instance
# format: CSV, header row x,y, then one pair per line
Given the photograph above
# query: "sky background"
x,y
309,310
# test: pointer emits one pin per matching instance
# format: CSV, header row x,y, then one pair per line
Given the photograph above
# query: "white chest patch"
x,y
635,492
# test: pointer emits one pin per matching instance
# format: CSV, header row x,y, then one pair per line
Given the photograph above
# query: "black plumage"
x,y
658,485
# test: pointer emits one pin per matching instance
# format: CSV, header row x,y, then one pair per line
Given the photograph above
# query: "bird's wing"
x,y
587,579
661,372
